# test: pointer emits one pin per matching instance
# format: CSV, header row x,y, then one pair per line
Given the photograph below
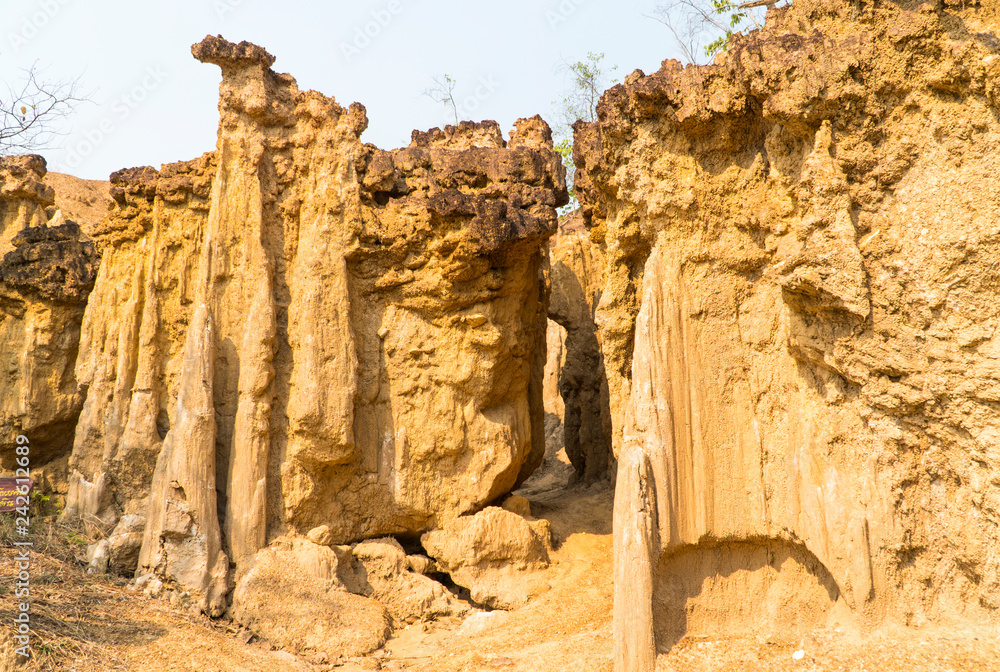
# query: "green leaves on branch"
x,y
589,79
703,28
588,83
443,92
736,17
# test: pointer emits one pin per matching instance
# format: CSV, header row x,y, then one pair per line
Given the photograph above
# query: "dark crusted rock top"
x,y
223,53
466,134
44,234
19,164
533,132
141,180
51,262
504,196
21,177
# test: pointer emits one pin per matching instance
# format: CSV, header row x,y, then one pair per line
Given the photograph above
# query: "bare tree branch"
x,y
758,3
29,112
687,46
701,27
443,92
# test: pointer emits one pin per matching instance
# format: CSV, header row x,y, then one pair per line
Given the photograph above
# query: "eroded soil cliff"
x,y
776,321
299,330
798,322
47,269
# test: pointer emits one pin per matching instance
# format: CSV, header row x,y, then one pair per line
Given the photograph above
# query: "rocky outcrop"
x,y
24,197
798,324
552,401
301,331
495,554
46,274
376,569
182,539
555,337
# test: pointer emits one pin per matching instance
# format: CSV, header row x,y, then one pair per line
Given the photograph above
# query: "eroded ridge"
x,y
338,335
796,315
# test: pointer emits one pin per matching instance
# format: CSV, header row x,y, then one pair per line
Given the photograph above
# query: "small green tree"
x,y
565,149
588,83
736,18
443,92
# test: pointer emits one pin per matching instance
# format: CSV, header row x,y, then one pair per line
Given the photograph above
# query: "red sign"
x,y
10,491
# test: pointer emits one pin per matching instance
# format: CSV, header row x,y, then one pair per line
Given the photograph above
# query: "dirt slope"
x,y
83,201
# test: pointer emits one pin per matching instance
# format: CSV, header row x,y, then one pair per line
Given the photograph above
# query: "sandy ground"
x,y
86,623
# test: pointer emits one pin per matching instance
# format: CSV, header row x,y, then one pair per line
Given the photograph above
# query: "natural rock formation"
x,y
46,274
552,401
182,539
555,337
378,569
635,548
383,571
125,543
494,554
576,269
300,330
24,197
798,322
291,595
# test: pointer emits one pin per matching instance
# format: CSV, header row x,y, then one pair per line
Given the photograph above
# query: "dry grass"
x,y
83,622
74,616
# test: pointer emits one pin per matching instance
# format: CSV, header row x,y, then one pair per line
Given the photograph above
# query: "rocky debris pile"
x,y
291,595
383,571
358,592
495,554
301,330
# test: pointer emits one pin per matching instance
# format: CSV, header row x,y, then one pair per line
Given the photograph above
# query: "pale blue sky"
x,y
152,103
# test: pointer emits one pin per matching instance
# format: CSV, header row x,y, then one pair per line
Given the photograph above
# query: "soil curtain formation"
x,y
772,320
